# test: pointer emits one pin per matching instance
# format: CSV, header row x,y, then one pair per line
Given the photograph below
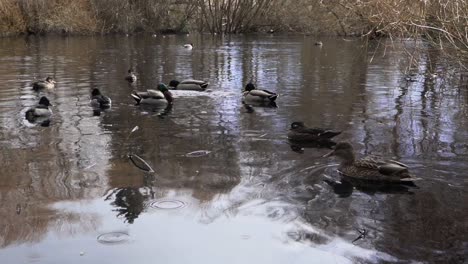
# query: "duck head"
x,y
167,94
249,87
44,101
50,79
95,92
344,151
162,87
296,125
130,71
174,83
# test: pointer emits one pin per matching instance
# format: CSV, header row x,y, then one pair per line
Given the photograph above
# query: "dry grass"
x,y
11,18
67,16
440,22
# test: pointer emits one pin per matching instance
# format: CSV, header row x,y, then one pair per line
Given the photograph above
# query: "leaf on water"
x,y
135,129
198,153
140,163
90,166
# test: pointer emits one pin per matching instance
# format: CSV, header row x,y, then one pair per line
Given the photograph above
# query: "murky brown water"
x,y
69,193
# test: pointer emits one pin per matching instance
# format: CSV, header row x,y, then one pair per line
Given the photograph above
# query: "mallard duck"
x,y
162,96
194,85
251,93
98,100
300,132
188,46
131,77
40,110
48,83
370,168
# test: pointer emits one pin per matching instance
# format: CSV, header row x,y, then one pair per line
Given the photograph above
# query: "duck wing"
x,y
154,94
102,100
262,93
386,168
149,94
192,81
259,93
39,85
200,83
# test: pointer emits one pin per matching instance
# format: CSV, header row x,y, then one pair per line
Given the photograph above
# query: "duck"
x,y
300,132
251,93
48,83
370,168
40,110
194,85
161,97
188,46
131,77
98,100
318,43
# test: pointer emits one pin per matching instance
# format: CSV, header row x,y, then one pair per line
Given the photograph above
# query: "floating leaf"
x,y
134,129
198,153
140,163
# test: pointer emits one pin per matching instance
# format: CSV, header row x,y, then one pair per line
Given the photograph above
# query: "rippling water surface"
x,y
227,186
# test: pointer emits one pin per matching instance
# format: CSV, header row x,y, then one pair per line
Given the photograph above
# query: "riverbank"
x,y
436,21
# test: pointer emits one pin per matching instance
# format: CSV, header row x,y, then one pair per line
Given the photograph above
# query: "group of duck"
x,y
371,168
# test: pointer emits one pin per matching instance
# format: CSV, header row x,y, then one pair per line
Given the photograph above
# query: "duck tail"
x,y
136,97
273,97
30,115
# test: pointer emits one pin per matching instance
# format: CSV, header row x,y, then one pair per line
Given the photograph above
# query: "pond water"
x,y
227,186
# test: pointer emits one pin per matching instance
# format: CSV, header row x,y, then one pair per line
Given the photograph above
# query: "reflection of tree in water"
x,y
129,203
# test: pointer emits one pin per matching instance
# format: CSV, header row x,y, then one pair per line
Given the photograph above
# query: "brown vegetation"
x,y
439,21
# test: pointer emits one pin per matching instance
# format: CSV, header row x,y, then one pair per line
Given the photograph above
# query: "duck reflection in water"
x,y
250,106
345,187
300,136
298,146
158,110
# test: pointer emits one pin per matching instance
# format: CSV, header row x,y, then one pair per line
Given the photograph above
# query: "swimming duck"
x,y
300,132
131,77
318,43
369,168
40,110
48,83
98,100
252,94
188,46
161,97
194,85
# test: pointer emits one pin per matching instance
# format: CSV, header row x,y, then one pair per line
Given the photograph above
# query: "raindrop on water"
x,y
167,204
113,238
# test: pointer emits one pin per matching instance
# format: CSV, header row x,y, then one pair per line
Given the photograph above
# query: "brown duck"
x,y
370,168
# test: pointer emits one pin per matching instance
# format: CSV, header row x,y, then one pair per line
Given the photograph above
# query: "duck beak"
x,y
331,153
